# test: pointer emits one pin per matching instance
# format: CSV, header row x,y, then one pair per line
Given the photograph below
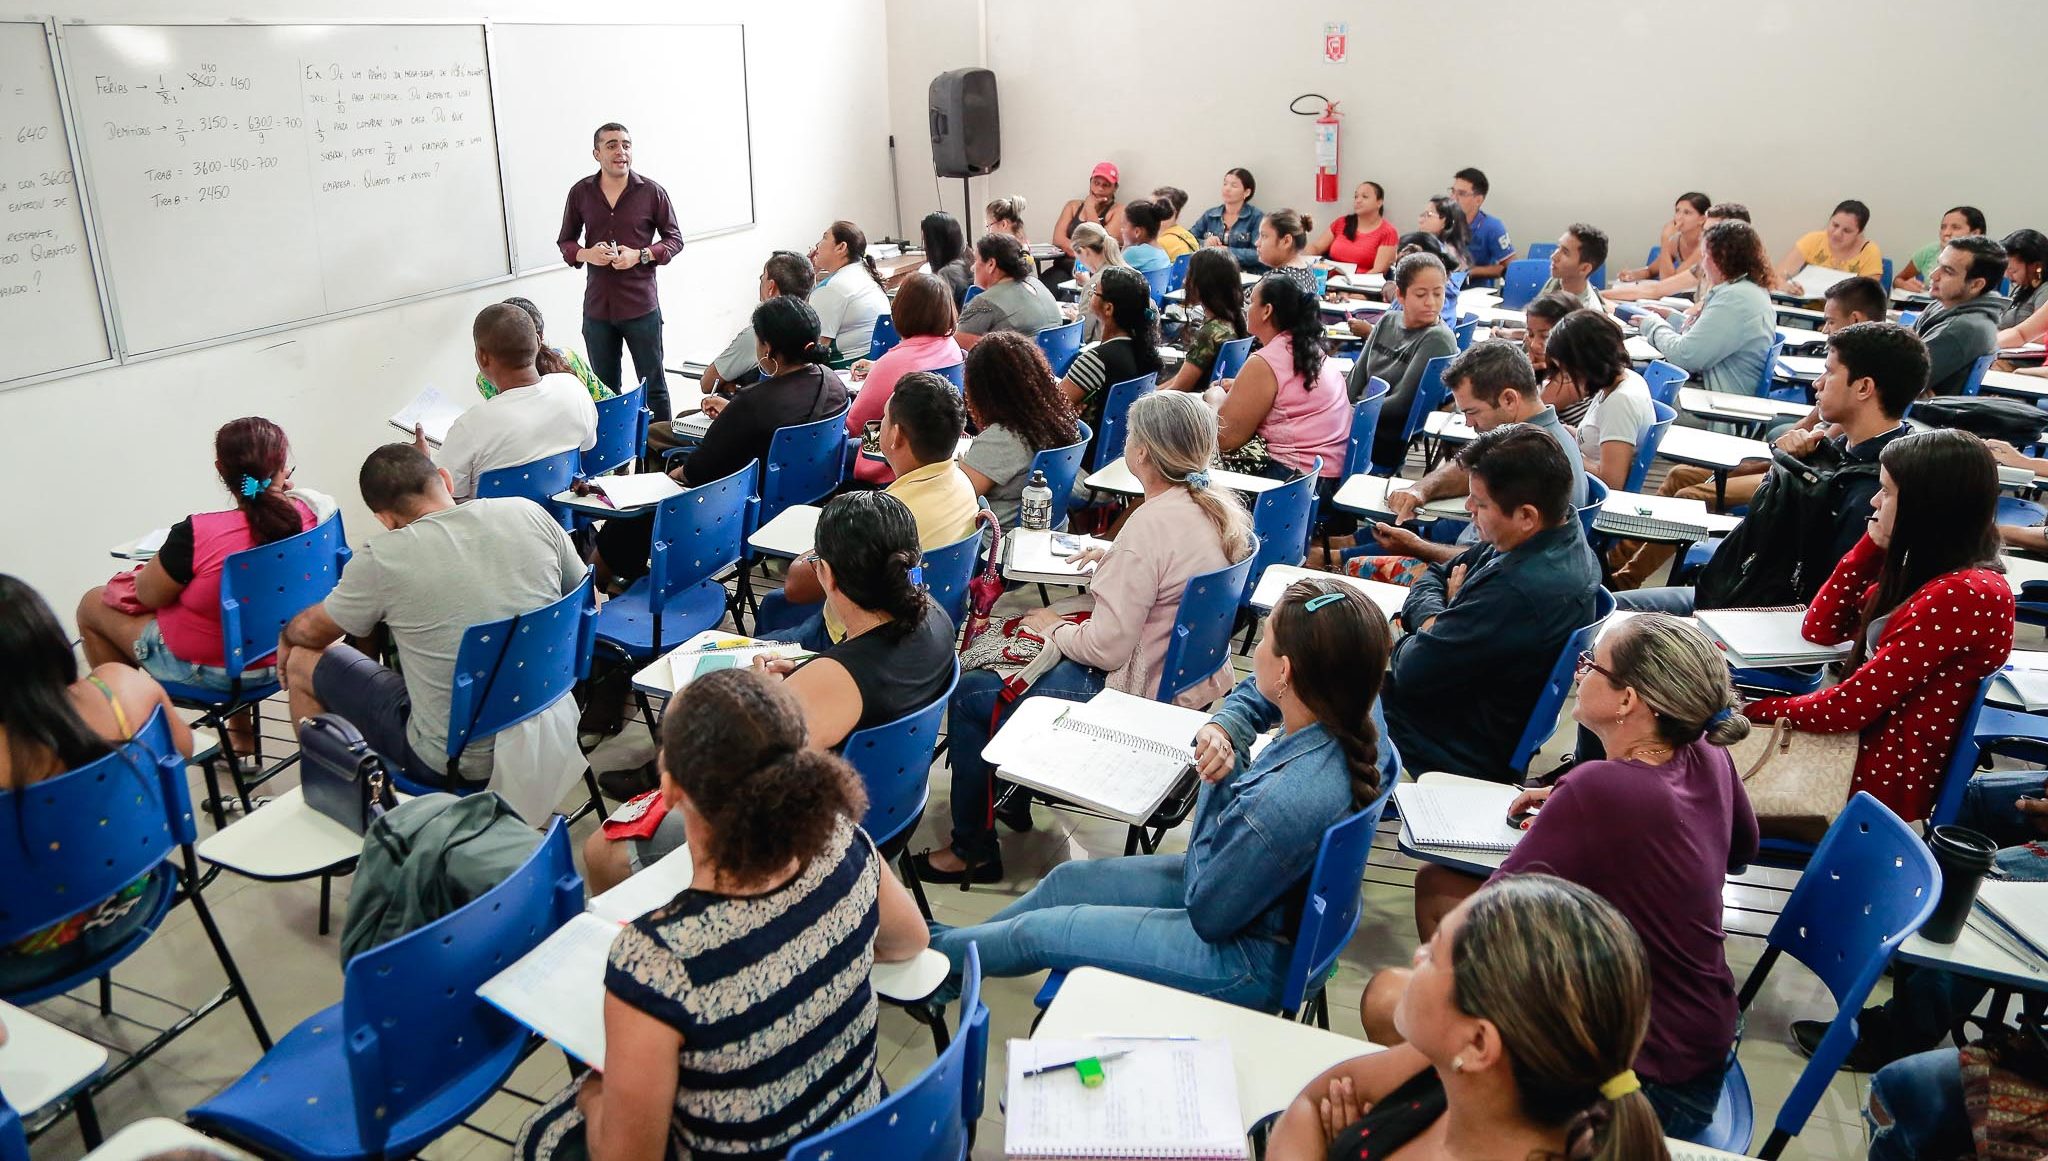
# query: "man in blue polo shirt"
x,y
1490,250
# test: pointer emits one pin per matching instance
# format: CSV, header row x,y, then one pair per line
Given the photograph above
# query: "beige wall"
x,y
1601,110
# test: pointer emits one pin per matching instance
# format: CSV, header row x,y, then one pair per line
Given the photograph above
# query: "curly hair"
x,y
734,742
1737,251
1010,385
869,540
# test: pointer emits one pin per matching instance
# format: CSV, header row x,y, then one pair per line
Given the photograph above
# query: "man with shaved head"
x,y
532,416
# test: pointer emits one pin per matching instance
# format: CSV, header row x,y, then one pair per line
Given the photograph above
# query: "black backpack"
x,y
1783,552
2015,421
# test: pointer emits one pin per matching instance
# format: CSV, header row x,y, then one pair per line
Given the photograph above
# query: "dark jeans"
x,y
1686,1109
777,619
969,729
642,336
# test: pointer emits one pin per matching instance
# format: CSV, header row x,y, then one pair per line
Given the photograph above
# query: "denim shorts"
x,y
159,662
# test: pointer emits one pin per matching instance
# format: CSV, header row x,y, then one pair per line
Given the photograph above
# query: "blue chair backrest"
x,y
263,588
1230,359
894,761
1871,883
2020,513
925,1120
1282,518
1522,281
1962,761
1664,380
805,461
1062,466
956,374
69,841
1329,915
621,432
1060,344
1116,408
1908,317
885,336
1450,311
538,481
1202,626
948,569
1885,274
1974,384
1655,253
1639,467
698,535
973,292
1542,250
1596,496
13,1140
507,671
409,1007
1430,394
1466,328
1161,281
1598,279
1177,274
1543,717
1769,375
1365,423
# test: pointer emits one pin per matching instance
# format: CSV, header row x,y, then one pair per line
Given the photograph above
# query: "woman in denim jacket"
x,y
1234,225
1219,921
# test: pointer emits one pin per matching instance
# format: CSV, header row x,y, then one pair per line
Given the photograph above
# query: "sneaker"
x,y
624,785
1864,1056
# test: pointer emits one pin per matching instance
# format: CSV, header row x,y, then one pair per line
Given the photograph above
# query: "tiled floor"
x,y
271,928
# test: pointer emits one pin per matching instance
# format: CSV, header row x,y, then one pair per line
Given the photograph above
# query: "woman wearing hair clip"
x,y
1122,305
1219,920
1184,528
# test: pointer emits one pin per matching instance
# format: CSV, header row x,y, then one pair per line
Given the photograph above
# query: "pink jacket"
x,y
1136,594
923,353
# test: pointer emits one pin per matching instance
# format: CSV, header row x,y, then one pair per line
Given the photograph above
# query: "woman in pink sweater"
x,y
1184,528
925,316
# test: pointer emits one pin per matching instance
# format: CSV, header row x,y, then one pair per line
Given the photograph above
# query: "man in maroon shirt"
x,y
621,226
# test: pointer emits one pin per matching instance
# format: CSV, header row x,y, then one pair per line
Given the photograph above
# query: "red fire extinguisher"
x,y
1326,143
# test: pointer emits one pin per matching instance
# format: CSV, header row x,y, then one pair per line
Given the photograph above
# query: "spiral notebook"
x,y
1116,753
1160,1098
1460,814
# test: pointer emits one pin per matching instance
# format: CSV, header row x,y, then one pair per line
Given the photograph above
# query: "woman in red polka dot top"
x,y
1928,606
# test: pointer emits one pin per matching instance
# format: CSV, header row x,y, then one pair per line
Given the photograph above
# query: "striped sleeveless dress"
x,y
770,993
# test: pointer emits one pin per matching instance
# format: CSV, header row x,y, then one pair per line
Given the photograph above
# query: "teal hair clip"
x,y
1317,602
251,485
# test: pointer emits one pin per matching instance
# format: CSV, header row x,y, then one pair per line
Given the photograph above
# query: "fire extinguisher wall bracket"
x,y
1327,121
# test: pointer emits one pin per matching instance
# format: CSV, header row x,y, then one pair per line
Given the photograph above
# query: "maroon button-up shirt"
x,y
643,213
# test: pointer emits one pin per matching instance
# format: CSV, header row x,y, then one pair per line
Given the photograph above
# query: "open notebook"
x,y
2025,680
1119,754
432,412
1814,280
1159,1098
2020,908
1030,555
1459,814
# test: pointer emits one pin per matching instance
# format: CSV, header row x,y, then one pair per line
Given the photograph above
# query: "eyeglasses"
x,y
1586,663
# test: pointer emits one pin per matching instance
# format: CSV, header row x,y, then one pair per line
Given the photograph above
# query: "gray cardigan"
x,y
1725,347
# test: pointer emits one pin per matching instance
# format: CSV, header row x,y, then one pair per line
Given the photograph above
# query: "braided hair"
x,y
1298,315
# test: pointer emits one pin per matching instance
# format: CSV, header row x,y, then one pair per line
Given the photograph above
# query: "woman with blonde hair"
x,y
1006,216
1655,691
1094,252
1185,527
1518,1024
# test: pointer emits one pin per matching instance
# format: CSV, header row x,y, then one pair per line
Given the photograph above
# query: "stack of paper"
x,y
1460,814
430,411
2025,680
1646,517
1117,754
642,490
1157,1098
1042,557
2020,909
1766,638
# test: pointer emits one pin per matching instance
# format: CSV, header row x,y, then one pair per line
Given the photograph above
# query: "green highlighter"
x,y
1088,1068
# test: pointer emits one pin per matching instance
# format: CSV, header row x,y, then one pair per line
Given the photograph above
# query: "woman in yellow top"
x,y
1841,246
1174,238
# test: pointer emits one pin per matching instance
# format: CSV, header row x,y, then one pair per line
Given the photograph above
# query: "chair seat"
x,y
1734,1116
296,1101
627,620
200,697
166,896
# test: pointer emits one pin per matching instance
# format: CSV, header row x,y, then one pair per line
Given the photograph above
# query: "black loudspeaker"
x,y
967,135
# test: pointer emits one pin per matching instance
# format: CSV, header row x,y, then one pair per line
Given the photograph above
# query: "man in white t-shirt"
x,y
532,416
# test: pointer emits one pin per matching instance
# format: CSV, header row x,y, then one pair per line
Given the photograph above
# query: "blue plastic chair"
x,y
1523,281
1598,279
1450,311
894,761
973,292
1550,700
804,465
698,536
538,481
1542,250
956,374
1466,328
1885,274
1202,626
621,433
1596,498
1062,466
2021,513
1161,281
1430,394
1329,914
1060,344
1282,518
885,336
1768,377
946,572
13,1141
1974,384
71,841
1639,467
1365,423
1984,728
261,590
1116,409
1734,1120
1230,359
1655,253
1177,274
1908,317
1664,380
411,1050
926,1120
1872,883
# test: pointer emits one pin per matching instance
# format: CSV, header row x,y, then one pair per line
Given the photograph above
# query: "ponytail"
x,y
1129,297
1299,316
1178,433
869,539
1622,1129
867,262
250,454
550,361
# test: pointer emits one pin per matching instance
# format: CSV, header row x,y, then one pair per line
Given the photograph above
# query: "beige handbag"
x,y
1797,781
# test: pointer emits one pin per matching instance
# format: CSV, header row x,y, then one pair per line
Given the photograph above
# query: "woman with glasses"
x,y
1656,692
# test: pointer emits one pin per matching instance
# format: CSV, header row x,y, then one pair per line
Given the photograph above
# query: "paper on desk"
x,y
687,666
557,989
150,543
638,490
646,889
432,412
1163,1098
1814,280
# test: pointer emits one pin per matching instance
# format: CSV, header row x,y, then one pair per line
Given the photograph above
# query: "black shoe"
x,y
1014,811
988,872
1865,1056
624,785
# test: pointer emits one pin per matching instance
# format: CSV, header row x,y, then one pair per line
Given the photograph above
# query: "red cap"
x,y
1105,169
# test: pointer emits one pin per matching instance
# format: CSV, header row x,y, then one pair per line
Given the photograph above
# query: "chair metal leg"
x,y
236,983
647,715
932,1016
908,869
107,994
88,1120
326,899
211,771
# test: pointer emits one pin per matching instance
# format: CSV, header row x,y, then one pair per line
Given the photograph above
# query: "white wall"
x,y
1601,110
92,460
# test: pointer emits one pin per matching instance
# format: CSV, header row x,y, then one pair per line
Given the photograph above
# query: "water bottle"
x,y
1035,506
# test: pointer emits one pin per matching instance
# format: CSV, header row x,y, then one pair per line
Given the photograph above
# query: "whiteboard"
x,y
688,118
249,176
50,317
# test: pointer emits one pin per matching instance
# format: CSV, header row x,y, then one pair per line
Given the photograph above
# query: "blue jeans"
x,y
1686,1109
1125,915
642,336
780,620
968,718
1916,1109
1675,600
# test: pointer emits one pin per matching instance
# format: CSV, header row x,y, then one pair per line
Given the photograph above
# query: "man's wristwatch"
x,y
646,255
